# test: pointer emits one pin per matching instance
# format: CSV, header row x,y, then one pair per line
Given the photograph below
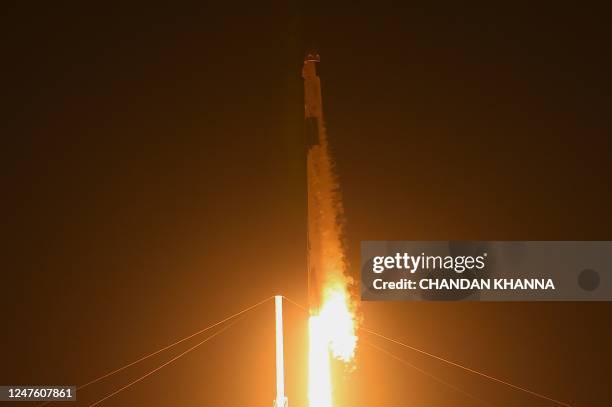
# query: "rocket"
x,y
313,109
315,145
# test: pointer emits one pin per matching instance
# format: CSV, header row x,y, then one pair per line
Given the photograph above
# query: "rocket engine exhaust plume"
x,y
332,325
319,379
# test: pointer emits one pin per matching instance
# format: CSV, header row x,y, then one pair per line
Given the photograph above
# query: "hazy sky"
x,y
153,182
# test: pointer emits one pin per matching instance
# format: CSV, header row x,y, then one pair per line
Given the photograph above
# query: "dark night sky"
x,y
153,182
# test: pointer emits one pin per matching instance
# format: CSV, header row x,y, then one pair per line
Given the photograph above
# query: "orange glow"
x,y
319,377
332,323
331,333
339,324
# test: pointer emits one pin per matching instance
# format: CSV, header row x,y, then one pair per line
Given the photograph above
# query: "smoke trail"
x,y
326,223
332,321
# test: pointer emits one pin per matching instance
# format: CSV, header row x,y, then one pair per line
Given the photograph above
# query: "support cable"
x,y
533,393
149,373
404,362
104,376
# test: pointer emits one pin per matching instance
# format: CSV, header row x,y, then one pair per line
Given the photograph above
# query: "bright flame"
x,y
339,325
332,330
332,324
319,378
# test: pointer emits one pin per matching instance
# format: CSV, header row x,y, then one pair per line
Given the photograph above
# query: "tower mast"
x,y
281,400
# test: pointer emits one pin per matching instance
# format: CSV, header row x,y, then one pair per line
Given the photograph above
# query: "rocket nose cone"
x,y
312,56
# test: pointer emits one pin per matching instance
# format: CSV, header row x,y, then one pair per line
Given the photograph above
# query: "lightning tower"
x,y
281,400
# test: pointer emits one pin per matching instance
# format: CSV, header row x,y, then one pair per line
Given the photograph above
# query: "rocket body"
x,y
315,148
313,108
